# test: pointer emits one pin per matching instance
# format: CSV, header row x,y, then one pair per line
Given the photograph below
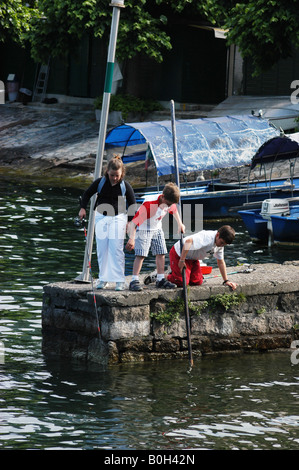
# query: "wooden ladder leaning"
x,y
41,83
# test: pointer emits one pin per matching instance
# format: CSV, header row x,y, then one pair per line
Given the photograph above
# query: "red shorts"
x,y
193,272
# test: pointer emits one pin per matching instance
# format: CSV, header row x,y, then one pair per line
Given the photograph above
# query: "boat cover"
x,y
277,148
202,144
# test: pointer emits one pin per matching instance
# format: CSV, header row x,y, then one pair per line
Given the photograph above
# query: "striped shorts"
x,y
150,239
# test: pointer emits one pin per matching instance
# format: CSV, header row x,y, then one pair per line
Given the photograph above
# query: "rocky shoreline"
x,y
57,145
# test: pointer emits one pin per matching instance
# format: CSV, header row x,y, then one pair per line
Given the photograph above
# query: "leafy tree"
x,y
15,17
264,30
67,20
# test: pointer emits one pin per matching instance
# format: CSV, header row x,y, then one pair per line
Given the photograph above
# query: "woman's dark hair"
x,y
116,163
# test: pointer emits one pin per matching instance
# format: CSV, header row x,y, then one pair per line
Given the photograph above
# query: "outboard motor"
x,y
274,207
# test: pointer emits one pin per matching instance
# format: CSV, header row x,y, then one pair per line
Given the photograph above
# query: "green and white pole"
x,y
117,5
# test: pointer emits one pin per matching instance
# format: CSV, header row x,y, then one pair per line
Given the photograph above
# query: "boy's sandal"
x,y
135,286
165,284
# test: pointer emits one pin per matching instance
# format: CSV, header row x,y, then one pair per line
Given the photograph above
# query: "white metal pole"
x,y
116,4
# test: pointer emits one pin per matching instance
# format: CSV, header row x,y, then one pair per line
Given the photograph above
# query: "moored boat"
x,y
286,228
276,222
219,204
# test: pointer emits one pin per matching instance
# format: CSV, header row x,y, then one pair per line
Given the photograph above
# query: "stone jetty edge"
x,y
266,319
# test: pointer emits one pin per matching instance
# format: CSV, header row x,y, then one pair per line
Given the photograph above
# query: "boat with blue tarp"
x,y
205,144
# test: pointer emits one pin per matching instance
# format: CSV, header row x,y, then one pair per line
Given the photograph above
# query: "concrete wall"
x,y
267,318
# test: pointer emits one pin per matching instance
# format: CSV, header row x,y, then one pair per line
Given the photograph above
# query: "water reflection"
x,y
233,402
153,406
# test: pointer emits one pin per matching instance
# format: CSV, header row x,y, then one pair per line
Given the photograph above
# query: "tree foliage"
x,y
67,20
264,30
15,19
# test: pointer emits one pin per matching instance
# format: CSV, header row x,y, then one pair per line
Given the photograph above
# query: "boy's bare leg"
x,y
137,265
160,263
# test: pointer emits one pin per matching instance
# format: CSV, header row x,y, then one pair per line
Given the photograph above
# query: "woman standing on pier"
x,y
114,196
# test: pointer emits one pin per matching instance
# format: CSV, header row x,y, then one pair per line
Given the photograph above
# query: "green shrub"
x,y
215,304
176,308
129,104
225,301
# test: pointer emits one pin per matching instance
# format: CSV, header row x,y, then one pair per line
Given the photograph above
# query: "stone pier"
x,y
262,314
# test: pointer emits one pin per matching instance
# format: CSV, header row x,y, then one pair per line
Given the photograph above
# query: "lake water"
x,y
226,402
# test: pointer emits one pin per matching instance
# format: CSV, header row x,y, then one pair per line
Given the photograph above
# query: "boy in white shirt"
x,y
197,247
148,223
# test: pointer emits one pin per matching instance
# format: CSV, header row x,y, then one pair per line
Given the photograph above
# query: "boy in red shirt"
x,y
147,222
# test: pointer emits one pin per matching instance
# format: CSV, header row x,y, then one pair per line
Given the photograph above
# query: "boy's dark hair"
x,y
171,193
227,234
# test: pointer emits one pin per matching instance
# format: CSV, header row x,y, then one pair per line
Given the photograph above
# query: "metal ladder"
x,y
41,83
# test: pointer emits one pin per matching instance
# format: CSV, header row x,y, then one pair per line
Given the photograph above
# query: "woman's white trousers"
x,y
110,233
